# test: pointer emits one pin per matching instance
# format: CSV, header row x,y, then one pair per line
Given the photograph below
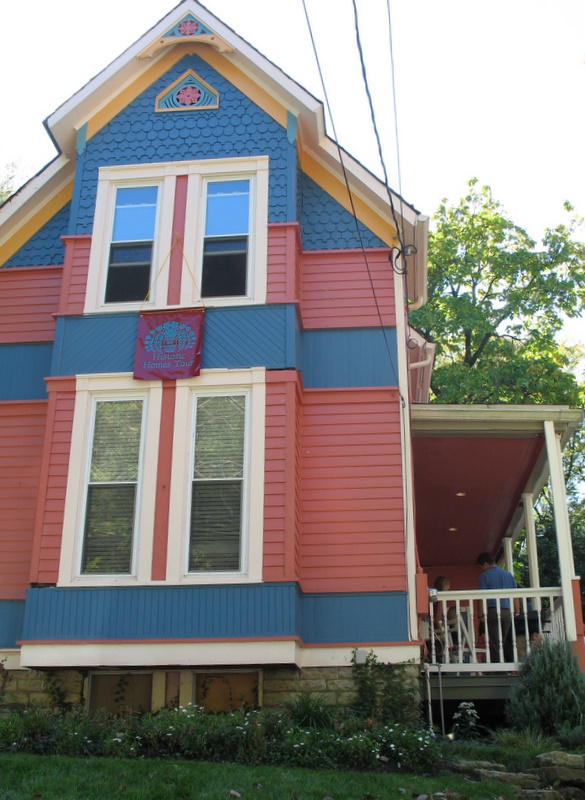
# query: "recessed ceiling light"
x,y
452,530
460,494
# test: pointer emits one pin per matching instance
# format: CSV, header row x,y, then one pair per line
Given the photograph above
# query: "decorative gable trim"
x,y
188,93
187,29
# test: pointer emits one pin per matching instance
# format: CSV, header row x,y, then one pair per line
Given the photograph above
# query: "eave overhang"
x,y
472,464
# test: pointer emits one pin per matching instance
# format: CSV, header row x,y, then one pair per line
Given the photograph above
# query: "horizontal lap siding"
x,y
75,271
336,289
283,263
352,521
22,427
49,521
280,548
29,297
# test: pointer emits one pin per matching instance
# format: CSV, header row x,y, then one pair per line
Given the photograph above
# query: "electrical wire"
x,y
399,231
351,200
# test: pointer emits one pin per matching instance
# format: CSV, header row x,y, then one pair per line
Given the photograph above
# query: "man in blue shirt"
x,y
493,577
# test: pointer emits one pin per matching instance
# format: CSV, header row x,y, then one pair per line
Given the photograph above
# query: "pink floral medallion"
x,y
188,95
188,27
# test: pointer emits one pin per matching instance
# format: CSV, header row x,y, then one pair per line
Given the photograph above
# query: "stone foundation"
x,y
53,689
279,685
286,683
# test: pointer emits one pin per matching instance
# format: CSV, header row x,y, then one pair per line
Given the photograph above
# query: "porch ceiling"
x,y
471,466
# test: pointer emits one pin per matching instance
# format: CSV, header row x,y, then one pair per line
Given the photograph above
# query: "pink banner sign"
x,y
168,346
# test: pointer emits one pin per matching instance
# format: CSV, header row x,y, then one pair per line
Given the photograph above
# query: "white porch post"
x,y
531,546
508,554
563,530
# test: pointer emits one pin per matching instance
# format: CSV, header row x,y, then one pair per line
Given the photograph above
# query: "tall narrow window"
x,y
129,265
225,248
217,488
111,493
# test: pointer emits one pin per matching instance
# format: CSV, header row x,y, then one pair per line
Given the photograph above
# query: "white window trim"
x,y
89,389
164,176
220,382
122,386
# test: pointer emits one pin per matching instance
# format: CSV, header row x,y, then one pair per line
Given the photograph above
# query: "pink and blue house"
x,y
215,451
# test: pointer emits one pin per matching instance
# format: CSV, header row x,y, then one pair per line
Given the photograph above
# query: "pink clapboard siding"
x,y
352,521
22,426
53,481
336,289
281,488
29,297
283,265
75,268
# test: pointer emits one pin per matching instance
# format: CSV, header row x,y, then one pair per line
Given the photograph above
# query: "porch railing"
x,y
457,630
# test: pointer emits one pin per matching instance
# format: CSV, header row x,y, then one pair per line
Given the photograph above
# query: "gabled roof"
x,y
96,103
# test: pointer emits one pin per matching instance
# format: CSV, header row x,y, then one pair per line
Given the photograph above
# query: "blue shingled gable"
x,y
45,248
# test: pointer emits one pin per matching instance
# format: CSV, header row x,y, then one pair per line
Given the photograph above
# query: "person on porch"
x,y
493,577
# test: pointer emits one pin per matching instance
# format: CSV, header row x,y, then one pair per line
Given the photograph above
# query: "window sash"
x,y
132,244
224,271
112,488
217,484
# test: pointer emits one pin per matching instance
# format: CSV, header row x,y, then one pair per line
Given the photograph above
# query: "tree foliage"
x,y
496,302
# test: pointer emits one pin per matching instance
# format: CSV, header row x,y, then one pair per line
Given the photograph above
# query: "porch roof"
x,y
471,466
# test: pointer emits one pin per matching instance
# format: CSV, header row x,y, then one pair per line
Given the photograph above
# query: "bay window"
x,y
214,484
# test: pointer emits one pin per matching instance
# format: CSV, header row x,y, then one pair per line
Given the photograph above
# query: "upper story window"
x,y
129,266
223,247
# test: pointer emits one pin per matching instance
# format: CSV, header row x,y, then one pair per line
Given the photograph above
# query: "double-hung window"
x,y
215,530
225,247
131,248
213,489
111,508
137,233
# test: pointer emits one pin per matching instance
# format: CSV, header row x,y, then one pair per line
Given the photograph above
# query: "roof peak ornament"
x,y
187,30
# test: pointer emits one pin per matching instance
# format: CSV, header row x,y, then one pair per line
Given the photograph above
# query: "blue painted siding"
x,y
350,357
238,338
45,248
326,225
233,338
11,622
23,368
213,612
139,135
349,618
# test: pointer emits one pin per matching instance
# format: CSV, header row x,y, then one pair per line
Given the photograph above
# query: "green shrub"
x,y
385,692
550,692
312,711
252,738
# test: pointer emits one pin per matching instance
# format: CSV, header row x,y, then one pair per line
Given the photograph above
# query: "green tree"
x,y
496,303
7,182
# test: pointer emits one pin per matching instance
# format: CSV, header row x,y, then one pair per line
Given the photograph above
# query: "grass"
x,y
27,777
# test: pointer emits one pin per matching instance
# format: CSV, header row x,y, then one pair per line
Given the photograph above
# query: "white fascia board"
x,y
37,192
494,420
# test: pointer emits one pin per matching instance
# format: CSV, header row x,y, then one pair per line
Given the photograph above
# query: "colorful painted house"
x,y
219,474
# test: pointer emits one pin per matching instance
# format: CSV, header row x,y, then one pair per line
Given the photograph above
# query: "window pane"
x,y
219,437
116,441
228,204
224,267
214,543
129,273
109,524
135,213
